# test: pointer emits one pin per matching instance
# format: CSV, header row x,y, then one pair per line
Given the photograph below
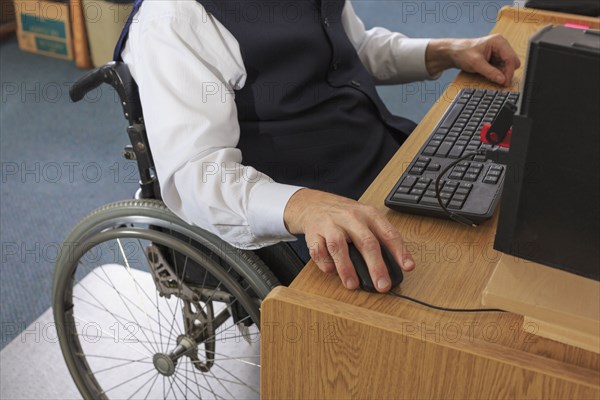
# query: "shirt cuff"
x,y
410,54
265,212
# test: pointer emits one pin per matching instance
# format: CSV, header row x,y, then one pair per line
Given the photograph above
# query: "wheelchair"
x,y
148,306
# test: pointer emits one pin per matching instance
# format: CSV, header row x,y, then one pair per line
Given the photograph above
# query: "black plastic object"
x,y
551,200
362,270
583,7
471,188
118,76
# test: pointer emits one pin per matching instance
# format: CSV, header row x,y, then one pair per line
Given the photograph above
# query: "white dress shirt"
x,y
187,66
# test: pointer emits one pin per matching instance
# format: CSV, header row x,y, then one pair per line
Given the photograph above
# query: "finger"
x,y
337,247
370,249
505,57
483,67
317,248
390,237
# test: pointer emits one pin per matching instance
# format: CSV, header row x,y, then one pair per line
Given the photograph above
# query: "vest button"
x,y
355,83
326,22
335,66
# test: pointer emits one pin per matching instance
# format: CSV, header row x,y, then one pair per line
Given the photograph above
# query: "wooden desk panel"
x,y
381,339
316,348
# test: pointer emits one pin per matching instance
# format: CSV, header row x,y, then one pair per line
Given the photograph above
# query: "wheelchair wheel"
x,y
147,306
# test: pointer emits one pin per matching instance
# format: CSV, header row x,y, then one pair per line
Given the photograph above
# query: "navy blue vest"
x,y
309,112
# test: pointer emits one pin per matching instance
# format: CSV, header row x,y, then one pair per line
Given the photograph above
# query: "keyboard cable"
x,y
495,153
453,216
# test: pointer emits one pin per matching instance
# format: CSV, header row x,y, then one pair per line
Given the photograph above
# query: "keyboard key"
x,y
430,201
443,150
429,150
470,177
409,181
459,196
455,205
406,198
456,152
451,116
433,167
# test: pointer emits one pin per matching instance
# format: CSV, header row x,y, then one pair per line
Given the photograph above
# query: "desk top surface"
x,y
455,262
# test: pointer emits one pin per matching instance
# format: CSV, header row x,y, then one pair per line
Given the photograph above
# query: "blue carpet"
x,y
61,160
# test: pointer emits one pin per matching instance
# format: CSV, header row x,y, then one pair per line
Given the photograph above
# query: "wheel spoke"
x,y
184,383
121,297
143,384
114,358
115,366
92,270
151,386
128,380
236,382
114,315
222,385
128,345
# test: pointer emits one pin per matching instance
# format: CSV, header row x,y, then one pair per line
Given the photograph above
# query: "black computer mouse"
x,y
364,279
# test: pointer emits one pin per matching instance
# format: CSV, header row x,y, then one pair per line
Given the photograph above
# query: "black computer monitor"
x,y
550,204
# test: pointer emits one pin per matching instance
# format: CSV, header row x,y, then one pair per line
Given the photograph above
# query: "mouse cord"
x,y
444,308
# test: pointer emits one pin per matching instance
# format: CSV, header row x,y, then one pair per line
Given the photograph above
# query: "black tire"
x,y
97,260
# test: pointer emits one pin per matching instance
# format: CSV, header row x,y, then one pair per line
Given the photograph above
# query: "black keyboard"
x,y
472,187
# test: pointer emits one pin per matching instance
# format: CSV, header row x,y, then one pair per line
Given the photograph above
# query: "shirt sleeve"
x,y
187,66
391,57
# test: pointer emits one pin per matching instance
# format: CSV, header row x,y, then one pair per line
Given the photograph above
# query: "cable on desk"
x,y
391,293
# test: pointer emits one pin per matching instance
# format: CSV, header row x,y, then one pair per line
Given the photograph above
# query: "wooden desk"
x,y
322,341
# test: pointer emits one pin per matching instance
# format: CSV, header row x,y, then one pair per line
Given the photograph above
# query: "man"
x,y
290,86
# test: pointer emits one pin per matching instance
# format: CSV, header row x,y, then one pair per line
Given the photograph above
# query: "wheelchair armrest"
x,y
118,76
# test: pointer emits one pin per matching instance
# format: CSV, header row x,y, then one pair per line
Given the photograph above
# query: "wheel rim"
x,y
129,356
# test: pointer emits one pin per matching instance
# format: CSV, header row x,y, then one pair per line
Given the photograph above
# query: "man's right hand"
x,y
329,222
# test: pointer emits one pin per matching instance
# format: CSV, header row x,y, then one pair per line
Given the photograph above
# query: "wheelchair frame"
x,y
221,284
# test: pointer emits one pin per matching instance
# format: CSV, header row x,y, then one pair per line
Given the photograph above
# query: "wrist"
x,y
306,205
294,210
439,56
